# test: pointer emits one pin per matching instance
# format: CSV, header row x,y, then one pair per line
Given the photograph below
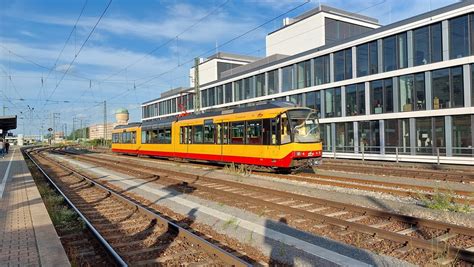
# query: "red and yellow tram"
x,y
275,135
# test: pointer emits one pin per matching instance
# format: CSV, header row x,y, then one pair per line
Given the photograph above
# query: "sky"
x,y
68,57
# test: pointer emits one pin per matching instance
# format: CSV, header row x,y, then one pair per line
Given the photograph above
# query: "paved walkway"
x,y
27,236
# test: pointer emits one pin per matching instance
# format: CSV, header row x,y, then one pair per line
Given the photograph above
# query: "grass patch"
x,y
231,222
64,219
444,201
239,169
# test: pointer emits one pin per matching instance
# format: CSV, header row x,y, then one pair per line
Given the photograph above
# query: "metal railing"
x,y
363,151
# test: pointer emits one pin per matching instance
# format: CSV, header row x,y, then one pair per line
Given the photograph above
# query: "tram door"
x,y
222,136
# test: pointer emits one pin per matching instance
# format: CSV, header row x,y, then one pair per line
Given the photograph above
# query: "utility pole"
x,y
74,128
197,93
105,123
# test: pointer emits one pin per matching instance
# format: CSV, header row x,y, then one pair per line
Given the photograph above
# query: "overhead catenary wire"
x,y
67,40
80,49
213,49
174,38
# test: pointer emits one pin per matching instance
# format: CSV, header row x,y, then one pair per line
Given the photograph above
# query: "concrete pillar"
x,y
280,81
396,98
313,78
265,87
445,41
323,103
410,48
354,62
382,136
467,85
380,55
367,98
413,137
356,137
331,67
428,91
333,136
343,101
448,133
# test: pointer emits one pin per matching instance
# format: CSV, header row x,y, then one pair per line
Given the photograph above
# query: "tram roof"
x,y
164,122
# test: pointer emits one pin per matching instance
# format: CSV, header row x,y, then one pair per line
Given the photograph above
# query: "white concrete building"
x,y
403,91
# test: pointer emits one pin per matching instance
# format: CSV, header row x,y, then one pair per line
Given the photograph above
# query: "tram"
x,y
275,135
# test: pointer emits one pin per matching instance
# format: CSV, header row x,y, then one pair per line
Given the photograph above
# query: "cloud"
x,y
28,33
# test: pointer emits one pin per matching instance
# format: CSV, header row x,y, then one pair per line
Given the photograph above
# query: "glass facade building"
x,y
404,91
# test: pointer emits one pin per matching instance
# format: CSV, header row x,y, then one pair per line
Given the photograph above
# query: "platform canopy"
x,y
7,123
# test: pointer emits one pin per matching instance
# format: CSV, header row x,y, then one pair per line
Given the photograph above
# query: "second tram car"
x,y
276,135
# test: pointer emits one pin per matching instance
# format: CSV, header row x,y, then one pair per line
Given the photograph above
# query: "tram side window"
x,y
160,136
285,130
225,133
237,132
167,136
275,131
115,138
209,130
185,135
254,132
133,137
197,134
218,133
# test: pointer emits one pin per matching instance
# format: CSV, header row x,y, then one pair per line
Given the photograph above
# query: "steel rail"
x,y
101,239
226,257
420,243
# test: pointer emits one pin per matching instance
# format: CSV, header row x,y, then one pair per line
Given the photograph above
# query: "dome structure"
x,y
121,115
121,111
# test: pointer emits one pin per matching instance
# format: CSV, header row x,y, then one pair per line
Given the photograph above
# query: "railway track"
x,y
391,170
130,232
414,239
393,188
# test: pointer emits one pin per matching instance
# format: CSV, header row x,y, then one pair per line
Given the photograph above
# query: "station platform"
x,y
27,235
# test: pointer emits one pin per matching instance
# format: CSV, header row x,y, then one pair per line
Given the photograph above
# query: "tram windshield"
x,y
305,126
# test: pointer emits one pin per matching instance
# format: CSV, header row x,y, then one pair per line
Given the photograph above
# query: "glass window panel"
x,y
462,135
339,67
321,70
209,132
303,74
260,85
237,132
388,95
204,98
220,95
228,92
439,140
348,63
254,132
402,50
406,86
211,96
360,99
421,46
373,58
389,45
420,97
238,90
458,37
272,82
392,138
340,137
457,87
351,100
287,78
197,134
436,43
376,96
440,85
313,100
362,52
297,99
249,88
424,136
329,102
